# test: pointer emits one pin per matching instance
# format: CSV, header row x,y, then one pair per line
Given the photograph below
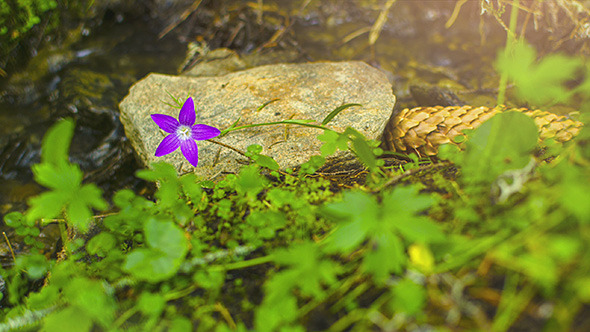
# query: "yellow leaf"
x,y
421,257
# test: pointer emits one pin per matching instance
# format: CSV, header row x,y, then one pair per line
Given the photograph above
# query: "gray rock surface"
x,y
304,91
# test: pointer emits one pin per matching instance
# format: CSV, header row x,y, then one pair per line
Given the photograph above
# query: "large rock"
x,y
304,91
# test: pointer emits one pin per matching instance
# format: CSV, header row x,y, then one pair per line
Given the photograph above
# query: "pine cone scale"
x,y
422,130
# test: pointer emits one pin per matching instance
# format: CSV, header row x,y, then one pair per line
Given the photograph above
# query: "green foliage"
x,y
529,216
384,227
539,82
25,228
67,193
367,151
307,272
337,111
254,152
503,143
408,297
18,17
166,248
271,250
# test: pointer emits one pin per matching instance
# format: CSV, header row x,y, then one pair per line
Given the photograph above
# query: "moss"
x,y
17,18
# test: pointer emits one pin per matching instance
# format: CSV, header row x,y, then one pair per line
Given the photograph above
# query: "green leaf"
x,y
92,195
250,181
364,152
151,304
46,297
123,198
68,319
408,297
65,177
101,244
265,223
347,237
159,171
36,265
401,207
503,143
13,219
167,248
150,265
266,161
539,82
48,205
359,211
280,197
254,148
56,143
79,214
574,193
337,111
332,141
166,237
180,324
269,316
209,280
307,269
91,297
177,101
191,187
419,229
385,257
405,202
168,194
298,122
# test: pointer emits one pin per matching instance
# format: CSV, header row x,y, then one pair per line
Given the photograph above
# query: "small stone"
x,y
307,91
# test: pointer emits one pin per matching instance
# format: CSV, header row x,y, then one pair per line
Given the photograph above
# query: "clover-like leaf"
x,y
539,82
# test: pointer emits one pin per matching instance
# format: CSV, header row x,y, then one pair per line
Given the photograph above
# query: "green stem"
x,y
509,42
291,122
474,251
125,316
242,264
180,293
513,302
63,232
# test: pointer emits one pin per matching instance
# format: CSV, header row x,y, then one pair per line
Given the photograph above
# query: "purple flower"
x,y
184,133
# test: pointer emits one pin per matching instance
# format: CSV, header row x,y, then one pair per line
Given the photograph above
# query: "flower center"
x,y
184,132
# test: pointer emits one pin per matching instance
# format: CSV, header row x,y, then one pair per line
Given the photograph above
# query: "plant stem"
x,y
242,264
63,232
291,122
509,42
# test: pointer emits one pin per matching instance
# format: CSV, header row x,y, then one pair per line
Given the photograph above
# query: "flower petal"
x,y
187,114
190,150
202,132
168,144
166,122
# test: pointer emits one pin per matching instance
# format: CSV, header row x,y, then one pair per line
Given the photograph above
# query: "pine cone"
x,y
423,129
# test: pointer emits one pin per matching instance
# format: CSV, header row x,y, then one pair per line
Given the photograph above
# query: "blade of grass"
x,y
266,104
509,45
336,112
305,123
512,303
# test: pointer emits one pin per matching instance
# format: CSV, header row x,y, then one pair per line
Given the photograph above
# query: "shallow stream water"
x,y
85,82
